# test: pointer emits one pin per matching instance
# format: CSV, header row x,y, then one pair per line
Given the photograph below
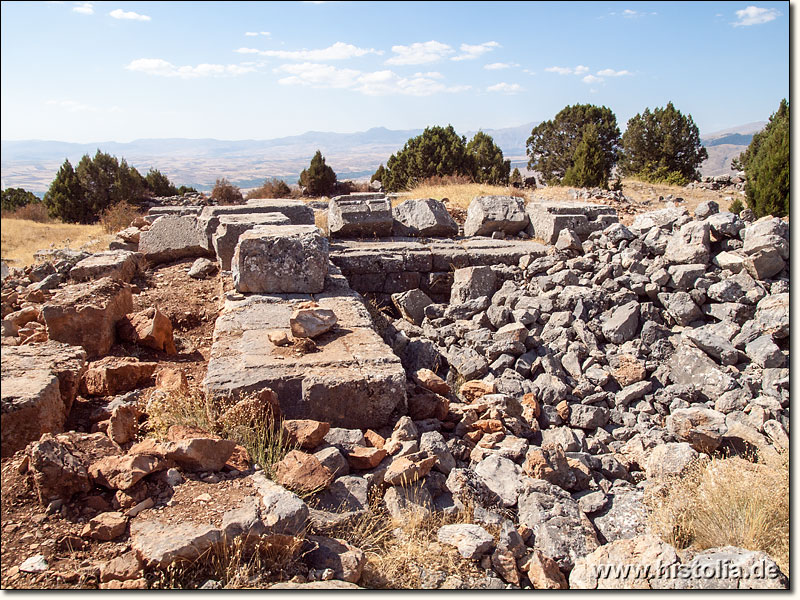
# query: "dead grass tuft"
x,y
321,221
35,211
726,501
245,563
118,216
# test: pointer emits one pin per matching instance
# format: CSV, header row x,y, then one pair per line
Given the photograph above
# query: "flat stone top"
x,y
256,205
107,258
276,202
272,218
360,196
470,244
91,293
260,231
175,210
571,208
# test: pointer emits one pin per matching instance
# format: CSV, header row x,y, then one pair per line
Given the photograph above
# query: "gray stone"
x,y
690,245
470,283
488,214
346,494
202,268
560,529
570,440
231,227
501,476
764,263
706,209
681,307
471,541
120,265
732,568
281,259
423,217
352,216
434,443
411,305
333,460
701,427
469,364
624,518
765,353
588,417
622,323
568,240
670,460
725,225
172,238
660,219
690,366
408,501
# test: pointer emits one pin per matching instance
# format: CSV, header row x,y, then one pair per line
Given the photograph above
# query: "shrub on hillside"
x,y
35,211
662,146
318,179
225,192
272,188
766,166
13,198
118,216
516,178
159,185
589,168
553,144
487,163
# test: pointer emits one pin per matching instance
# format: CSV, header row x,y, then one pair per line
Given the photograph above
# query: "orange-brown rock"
x,y
306,433
530,400
549,463
488,425
123,425
629,370
123,472
562,408
431,381
302,472
171,380
239,459
364,458
404,471
122,568
423,404
114,375
474,390
544,573
86,314
105,526
150,328
374,439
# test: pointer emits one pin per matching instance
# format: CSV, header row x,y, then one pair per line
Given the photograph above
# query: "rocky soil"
x,y
546,402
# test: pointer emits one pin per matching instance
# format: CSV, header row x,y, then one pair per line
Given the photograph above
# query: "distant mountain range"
x,y
32,164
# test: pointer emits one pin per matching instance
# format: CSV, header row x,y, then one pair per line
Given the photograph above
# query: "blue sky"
x,y
103,71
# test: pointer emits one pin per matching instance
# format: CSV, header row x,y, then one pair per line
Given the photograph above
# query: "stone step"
x,y
353,380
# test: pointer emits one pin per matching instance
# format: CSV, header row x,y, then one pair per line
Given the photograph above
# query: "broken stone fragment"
x,y
310,321
150,328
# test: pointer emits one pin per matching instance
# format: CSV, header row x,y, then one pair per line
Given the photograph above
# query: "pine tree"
x,y
65,198
488,165
379,174
516,178
159,184
662,146
319,179
14,198
552,144
766,166
436,152
589,167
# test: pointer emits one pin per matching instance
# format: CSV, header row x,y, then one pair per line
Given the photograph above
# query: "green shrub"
x,y
318,179
736,206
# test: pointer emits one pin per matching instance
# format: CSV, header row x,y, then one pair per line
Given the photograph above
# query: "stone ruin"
x,y
544,363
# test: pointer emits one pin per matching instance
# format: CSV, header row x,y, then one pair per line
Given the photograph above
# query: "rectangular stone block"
x,y
231,227
353,216
549,218
281,259
173,238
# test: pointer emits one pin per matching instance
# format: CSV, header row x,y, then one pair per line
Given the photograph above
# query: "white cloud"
x,y
419,53
163,68
472,51
337,51
580,70
529,72
754,15
375,83
505,88
129,16
613,73
257,33
560,70
592,79
84,8
499,65
72,105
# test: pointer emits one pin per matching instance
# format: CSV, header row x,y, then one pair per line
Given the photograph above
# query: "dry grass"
x,y
321,220
245,563
727,501
640,191
458,195
21,238
118,216
263,437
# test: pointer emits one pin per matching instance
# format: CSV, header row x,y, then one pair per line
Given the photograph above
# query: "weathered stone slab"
x,y
550,218
39,384
365,216
86,314
297,211
231,227
121,265
172,238
353,380
423,217
487,214
180,211
281,259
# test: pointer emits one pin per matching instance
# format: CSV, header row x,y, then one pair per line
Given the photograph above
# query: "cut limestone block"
x,y
281,259
86,314
121,265
487,214
550,218
352,380
423,217
231,227
172,238
366,216
297,211
39,384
